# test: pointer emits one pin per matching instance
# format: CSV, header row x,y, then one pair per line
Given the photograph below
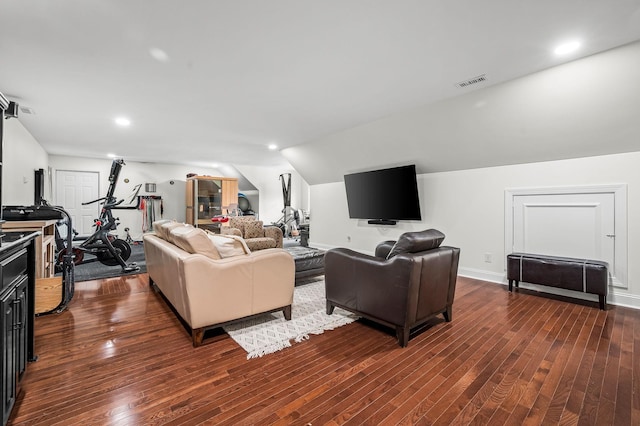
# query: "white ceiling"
x,y
240,75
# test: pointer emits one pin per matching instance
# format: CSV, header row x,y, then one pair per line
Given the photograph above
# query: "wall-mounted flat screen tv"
x,y
383,196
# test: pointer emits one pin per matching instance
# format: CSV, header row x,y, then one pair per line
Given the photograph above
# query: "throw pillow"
x,y
194,240
162,229
253,229
156,224
229,245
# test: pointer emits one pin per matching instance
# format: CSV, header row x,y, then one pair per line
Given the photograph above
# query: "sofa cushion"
x,y
253,229
162,229
194,240
156,224
261,243
414,242
229,245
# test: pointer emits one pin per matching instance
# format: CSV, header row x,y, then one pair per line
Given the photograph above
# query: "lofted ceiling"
x,y
215,82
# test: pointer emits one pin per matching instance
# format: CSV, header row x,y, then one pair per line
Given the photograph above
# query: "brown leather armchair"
x,y
404,285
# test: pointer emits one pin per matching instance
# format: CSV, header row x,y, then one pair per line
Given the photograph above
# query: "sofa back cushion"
x,y
194,240
164,228
156,224
414,242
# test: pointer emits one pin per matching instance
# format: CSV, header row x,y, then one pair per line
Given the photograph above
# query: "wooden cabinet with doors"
x,y
209,196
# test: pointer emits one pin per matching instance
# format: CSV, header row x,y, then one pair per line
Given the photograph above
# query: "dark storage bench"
x,y
587,276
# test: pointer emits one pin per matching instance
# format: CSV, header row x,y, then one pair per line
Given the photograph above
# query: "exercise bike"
x,y
104,246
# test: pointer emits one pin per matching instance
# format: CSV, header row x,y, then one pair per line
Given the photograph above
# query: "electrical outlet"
x,y
488,258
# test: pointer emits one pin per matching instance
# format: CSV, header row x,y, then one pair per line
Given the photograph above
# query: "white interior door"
x,y
571,225
74,188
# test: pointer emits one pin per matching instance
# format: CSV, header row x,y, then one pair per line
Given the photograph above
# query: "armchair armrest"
x,y
383,249
275,233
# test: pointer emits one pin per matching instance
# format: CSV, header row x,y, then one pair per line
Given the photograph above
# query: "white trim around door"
x,y
618,270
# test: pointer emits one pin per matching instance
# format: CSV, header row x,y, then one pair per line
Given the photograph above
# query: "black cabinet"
x,y
17,276
9,385
14,343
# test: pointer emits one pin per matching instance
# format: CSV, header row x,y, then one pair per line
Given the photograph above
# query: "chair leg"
x,y
330,308
287,312
402,333
448,314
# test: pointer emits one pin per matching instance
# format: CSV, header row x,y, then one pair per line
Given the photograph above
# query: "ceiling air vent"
x,y
27,110
475,80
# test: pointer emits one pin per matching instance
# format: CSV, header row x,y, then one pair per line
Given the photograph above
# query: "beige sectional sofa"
x,y
212,280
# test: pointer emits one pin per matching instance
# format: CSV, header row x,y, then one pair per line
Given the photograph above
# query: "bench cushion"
x,y
585,275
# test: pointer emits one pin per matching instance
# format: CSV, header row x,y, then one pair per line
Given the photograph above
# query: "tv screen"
x,y
383,195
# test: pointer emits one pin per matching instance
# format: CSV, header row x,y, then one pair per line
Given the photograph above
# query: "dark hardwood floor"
x,y
118,356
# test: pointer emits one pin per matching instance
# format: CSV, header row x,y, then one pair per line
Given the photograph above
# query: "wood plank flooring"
x,y
119,356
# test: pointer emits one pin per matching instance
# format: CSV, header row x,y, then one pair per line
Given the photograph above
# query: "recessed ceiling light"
x,y
273,146
215,165
111,155
159,54
123,121
566,48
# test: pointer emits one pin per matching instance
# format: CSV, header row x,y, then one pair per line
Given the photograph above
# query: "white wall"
x,y
22,155
173,196
468,206
266,180
583,108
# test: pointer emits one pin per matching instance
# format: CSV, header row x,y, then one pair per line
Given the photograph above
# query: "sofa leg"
x,y
402,333
448,314
287,312
197,336
330,308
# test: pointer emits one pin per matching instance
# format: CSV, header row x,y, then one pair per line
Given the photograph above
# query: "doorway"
x,y
74,188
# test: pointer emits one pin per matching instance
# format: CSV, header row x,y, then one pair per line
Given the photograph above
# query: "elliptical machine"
x,y
106,248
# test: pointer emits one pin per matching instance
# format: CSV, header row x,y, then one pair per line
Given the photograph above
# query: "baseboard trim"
x,y
483,275
621,299
615,296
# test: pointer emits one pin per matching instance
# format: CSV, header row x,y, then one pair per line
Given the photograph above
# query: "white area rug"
x,y
269,333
